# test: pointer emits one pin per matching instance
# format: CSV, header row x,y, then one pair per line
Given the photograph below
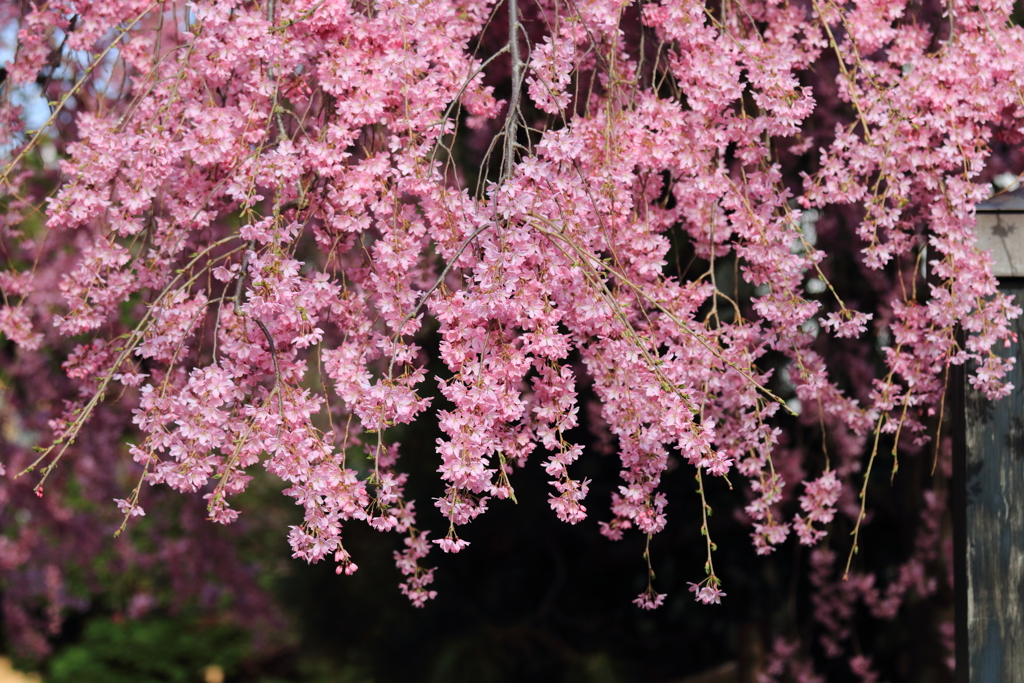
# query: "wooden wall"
x,y
988,481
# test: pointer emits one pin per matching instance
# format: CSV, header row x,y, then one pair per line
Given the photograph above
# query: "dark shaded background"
x,y
531,599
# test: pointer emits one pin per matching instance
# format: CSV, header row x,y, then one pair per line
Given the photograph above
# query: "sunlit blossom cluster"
x,y
260,219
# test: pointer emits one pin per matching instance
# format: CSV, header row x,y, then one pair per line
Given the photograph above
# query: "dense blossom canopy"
x,y
233,226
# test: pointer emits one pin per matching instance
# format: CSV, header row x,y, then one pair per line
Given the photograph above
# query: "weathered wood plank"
x,y
1001,231
992,471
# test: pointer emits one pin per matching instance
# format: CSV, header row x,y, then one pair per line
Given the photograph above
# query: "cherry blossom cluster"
x,y
262,233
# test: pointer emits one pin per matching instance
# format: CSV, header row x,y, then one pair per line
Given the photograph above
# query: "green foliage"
x,y
148,651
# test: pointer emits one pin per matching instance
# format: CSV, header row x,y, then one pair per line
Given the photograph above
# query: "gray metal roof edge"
x,y
1003,201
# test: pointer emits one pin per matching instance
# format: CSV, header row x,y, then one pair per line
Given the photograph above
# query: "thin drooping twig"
x,y
277,371
132,340
509,162
241,276
517,78
72,92
263,329
426,295
412,314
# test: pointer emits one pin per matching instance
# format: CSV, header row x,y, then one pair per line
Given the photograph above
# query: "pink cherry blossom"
x,y
247,236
